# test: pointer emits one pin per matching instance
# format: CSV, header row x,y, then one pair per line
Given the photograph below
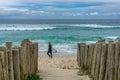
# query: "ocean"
x,y
63,34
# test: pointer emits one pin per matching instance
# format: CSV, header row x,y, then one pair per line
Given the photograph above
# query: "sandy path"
x,y
59,68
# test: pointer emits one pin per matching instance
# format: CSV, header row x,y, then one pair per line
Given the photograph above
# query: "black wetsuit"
x,y
49,53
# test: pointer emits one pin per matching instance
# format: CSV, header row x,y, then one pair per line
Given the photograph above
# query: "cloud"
x,y
6,11
72,14
5,3
94,13
9,11
52,1
59,8
110,14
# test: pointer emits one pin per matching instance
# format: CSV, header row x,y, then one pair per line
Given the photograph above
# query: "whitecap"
x,y
95,26
111,37
24,27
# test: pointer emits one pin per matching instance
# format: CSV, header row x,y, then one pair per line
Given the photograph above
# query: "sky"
x,y
59,9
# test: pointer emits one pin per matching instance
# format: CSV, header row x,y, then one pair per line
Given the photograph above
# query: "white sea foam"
x,y
90,42
23,27
60,49
95,26
65,48
111,37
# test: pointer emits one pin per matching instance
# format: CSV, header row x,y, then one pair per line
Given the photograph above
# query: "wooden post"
x,y
94,60
118,73
98,57
26,52
82,57
119,69
16,63
81,50
117,51
10,60
23,58
90,55
36,56
32,59
110,62
22,62
4,62
103,61
78,55
0,69
2,74
86,56
28,56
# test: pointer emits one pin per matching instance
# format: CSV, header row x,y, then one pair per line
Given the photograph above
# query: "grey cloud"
x,y
111,7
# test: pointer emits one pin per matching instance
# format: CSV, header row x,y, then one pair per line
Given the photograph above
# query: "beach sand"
x,y
59,68
58,62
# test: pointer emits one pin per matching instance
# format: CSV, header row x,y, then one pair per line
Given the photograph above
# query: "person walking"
x,y
49,53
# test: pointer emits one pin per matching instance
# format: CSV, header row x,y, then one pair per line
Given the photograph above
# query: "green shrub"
x,y
84,71
33,77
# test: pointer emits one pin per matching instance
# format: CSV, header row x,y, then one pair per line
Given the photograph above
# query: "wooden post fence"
x,y
102,59
18,62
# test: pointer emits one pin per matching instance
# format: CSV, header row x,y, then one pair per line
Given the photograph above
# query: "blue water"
x,y
63,34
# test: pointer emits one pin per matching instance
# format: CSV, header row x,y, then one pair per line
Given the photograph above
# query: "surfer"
x,y
49,53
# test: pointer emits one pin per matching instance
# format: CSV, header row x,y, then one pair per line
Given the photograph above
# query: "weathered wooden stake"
x,y
82,47
86,56
98,57
117,51
78,55
4,59
25,51
10,60
90,55
36,56
94,61
103,61
2,75
111,51
16,64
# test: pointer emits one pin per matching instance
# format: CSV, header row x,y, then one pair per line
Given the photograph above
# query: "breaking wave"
x,y
95,26
16,27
